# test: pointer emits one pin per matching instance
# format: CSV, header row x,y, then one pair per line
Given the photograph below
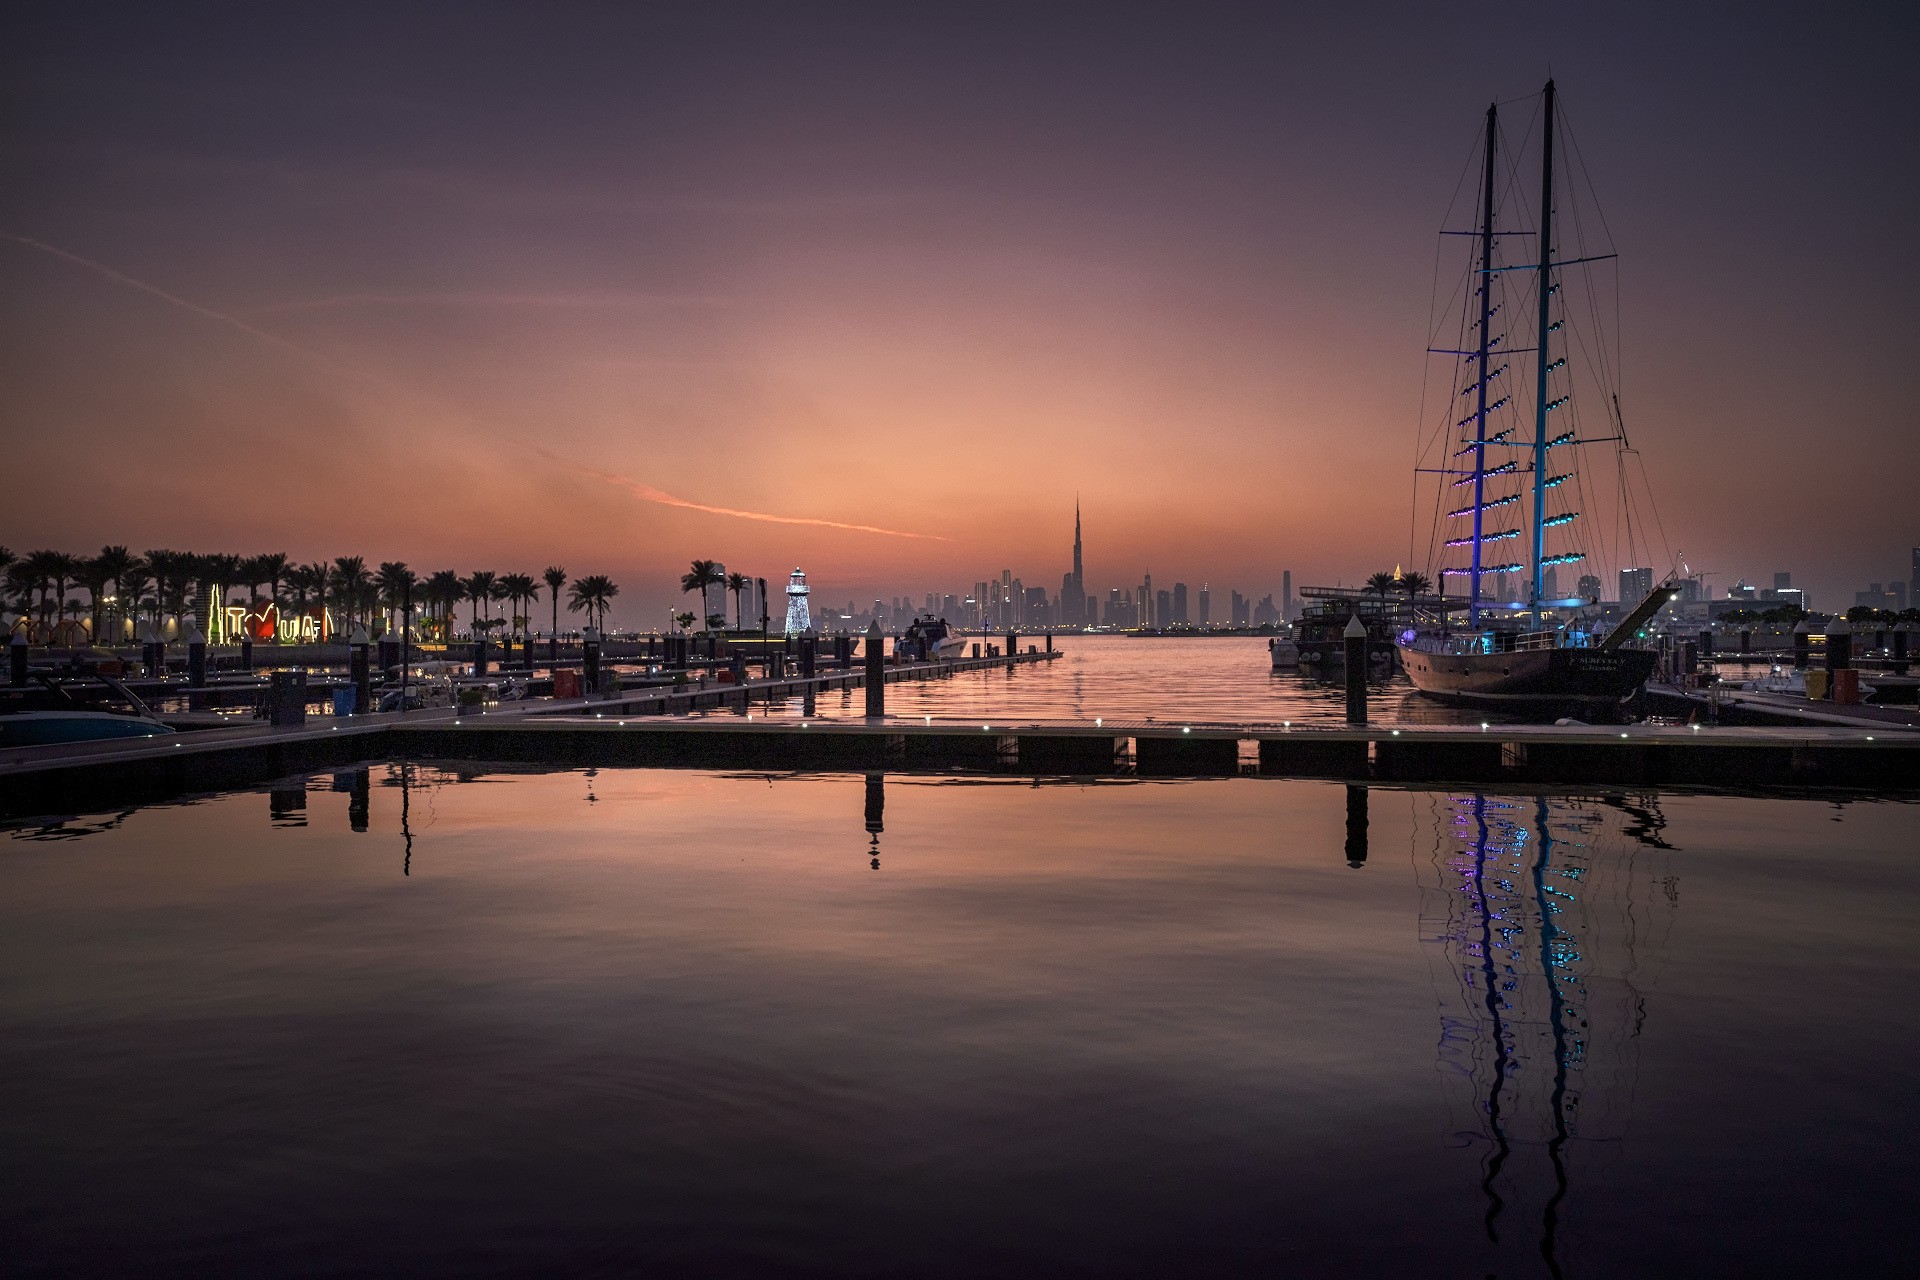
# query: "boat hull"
x,y
1532,677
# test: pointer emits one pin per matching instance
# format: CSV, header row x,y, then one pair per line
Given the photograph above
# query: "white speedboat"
x,y
1284,653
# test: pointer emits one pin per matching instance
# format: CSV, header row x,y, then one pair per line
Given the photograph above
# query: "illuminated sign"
x,y
230,623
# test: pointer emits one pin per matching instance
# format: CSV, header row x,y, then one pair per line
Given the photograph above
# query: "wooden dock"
x,y
100,775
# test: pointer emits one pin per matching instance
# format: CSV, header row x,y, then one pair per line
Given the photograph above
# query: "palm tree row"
x,y
162,583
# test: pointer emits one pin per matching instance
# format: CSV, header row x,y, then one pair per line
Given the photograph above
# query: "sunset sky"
x,y
878,291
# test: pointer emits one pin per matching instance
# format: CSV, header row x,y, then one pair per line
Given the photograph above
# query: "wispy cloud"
x,y
491,299
121,277
647,493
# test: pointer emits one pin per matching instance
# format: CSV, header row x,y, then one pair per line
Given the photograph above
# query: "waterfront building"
x,y
1073,594
1162,608
1589,588
713,598
1635,584
1266,613
1206,605
1242,611
799,618
1179,604
1287,613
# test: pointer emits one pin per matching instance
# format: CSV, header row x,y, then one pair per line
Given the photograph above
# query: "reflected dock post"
x,y
1356,641
17,660
1356,826
876,814
359,670
876,673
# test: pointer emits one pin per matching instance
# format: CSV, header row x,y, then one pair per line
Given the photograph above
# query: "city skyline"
x,y
304,292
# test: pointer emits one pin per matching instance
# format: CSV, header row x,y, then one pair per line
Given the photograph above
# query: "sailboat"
x,y
1531,648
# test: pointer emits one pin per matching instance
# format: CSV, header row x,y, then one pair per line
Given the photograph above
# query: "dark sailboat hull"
x,y
1531,678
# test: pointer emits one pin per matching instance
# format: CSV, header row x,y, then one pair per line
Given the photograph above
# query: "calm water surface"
x,y
1226,679
415,1022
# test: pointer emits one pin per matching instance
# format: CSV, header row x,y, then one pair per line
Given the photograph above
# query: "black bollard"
x,y
1802,646
389,654
1689,660
526,651
809,658
196,660
1049,642
1013,644
1839,644
876,673
246,653
590,661
1356,641
480,656
17,660
1356,826
287,699
1706,644
1899,651
1746,641
358,659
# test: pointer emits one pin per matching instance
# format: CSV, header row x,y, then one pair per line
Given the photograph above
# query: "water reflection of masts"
x,y
1492,983
1549,934
406,817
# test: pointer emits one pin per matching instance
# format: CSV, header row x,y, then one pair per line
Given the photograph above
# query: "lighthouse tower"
x,y
798,618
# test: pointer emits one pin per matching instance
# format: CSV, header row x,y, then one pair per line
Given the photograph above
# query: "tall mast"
x,y
1480,412
1541,358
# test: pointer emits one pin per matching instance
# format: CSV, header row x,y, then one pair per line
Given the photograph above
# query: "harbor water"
x,y
403,1019
1226,679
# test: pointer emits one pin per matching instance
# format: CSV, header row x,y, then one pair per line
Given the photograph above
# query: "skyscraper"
x,y
1179,604
1206,605
1635,584
1286,595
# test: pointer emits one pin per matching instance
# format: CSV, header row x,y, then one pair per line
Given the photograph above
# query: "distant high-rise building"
x,y
1073,592
1782,580
1241,612
1635,584
1286,595
1589,588
1179,604
1264,613
1162,609
1142,606
1913,582
713,599
1206,605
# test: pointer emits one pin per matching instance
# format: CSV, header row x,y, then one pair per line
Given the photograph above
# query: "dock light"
x,y
928,719
1396,733
1623,735
1098,723
1483,727
986,726
1188,729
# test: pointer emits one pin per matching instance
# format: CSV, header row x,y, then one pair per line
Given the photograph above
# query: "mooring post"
x,y
196,658
358,669
1899,651
590,661
246,652
1049,642
1746,641
1802,645
17,660
1356,640
876,673
809,655
1013,644
1706,643
1356,826
1839,643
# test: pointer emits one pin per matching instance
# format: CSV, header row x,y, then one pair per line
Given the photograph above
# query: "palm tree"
x,y
21,584
556,579
592,593
1415,584
479,589
738,584
349,585
273,567
94,576
444,592
396,581
65,568
520,588
131,587
36,570
702,574
683,620
1383,583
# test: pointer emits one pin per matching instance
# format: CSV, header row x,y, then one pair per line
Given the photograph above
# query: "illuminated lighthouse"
x,y
799,620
